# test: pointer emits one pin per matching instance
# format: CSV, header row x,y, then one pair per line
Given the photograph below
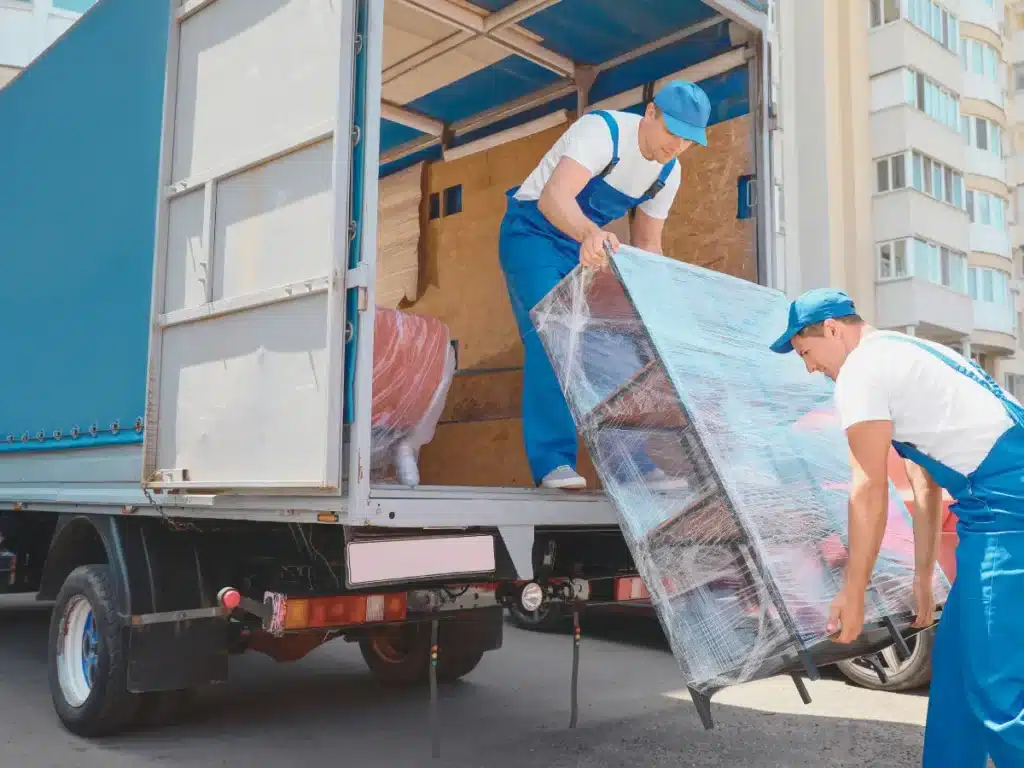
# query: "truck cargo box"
x,y
215,257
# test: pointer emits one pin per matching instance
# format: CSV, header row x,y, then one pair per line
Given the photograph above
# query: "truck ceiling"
x,y
451,72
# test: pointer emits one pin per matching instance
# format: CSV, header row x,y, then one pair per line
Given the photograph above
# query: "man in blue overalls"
x,y
606,164
958,430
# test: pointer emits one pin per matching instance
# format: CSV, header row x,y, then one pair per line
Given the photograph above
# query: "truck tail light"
x,y
324,612
631,588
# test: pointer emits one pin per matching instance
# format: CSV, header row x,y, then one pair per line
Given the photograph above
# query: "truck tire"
x,y
547,618
403,657
907,675
88,668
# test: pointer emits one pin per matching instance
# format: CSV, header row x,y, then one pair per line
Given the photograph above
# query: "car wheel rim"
x,y
890,660
78,651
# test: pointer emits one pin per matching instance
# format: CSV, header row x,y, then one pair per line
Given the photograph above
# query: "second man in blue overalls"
x,y
606,164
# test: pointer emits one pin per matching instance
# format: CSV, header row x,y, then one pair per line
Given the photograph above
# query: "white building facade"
x,y
27,27
943,200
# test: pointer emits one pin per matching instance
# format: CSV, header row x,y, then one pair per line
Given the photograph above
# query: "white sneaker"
x,y
407,465
657,480
564,478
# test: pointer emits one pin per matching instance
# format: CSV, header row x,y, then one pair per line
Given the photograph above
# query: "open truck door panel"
x,y
190,435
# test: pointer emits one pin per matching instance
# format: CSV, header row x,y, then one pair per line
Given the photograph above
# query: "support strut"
x,y
574,694
902,649
702,703
435,730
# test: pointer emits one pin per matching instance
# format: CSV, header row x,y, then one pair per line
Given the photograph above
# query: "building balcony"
x,y
991,240
981,13
978,87
995,328
934,311
901,44
903,127
981,162
909,213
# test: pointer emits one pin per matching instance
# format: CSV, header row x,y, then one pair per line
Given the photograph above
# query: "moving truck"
x,y
211,212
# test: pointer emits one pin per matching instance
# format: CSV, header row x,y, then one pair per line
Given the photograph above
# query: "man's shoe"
x,y
657,480
564,478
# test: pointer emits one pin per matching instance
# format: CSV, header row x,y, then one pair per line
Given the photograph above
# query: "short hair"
x,y
818,329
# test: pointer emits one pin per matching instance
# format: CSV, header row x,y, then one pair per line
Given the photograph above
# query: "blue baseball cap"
x,y
812,307
685,109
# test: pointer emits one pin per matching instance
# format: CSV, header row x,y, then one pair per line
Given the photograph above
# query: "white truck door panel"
x,y
247,342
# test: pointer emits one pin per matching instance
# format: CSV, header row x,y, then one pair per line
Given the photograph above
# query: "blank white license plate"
x,y
391,560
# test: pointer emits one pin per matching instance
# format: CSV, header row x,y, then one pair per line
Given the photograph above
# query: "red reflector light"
x,y
323,612
631,588
229,598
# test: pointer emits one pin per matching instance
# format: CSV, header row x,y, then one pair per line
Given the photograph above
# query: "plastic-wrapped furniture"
x,y
413,366
726,465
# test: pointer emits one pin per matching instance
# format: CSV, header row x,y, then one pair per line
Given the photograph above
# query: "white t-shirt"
x,y
946,415
588,141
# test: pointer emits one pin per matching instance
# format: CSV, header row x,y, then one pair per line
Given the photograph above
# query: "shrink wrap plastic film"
x,y
413,366
741,539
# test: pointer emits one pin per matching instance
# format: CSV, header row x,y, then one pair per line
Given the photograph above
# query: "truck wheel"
x,y
87,664
907,675
403,657
547,618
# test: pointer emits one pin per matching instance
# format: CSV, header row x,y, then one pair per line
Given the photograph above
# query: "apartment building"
x,y
944,216
27,27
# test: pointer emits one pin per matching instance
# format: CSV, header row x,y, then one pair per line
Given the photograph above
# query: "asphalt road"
x,y
511,712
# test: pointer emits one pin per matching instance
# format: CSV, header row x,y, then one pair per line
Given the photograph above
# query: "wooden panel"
x,y
486,454
461,281
484,396
702,227
399,237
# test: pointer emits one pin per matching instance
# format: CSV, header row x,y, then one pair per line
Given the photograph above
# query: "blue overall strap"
x,y
659,184
613,128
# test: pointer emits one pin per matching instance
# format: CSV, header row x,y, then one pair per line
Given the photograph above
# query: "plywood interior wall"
x,y
399,236
479,440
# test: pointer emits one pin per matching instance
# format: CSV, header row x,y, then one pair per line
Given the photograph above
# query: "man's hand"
x,y
592,249
846,615
924,600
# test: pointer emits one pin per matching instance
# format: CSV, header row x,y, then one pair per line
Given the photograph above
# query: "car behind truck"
x,y
203,225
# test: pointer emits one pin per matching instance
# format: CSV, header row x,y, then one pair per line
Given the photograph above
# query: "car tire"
x,y
907,675
87,660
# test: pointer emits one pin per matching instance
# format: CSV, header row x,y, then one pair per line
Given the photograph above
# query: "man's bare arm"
x,y
558,200
645,232
927,520
870,442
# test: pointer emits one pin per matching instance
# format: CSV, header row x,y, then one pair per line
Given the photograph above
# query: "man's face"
x,y
661,142
822,354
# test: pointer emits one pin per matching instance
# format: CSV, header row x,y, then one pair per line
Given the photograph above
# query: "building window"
x,y
982,134
980,59
1015,384
986,209
932,99
884,12
914,257
926,175
991,286
891,172
1018,77
931,18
